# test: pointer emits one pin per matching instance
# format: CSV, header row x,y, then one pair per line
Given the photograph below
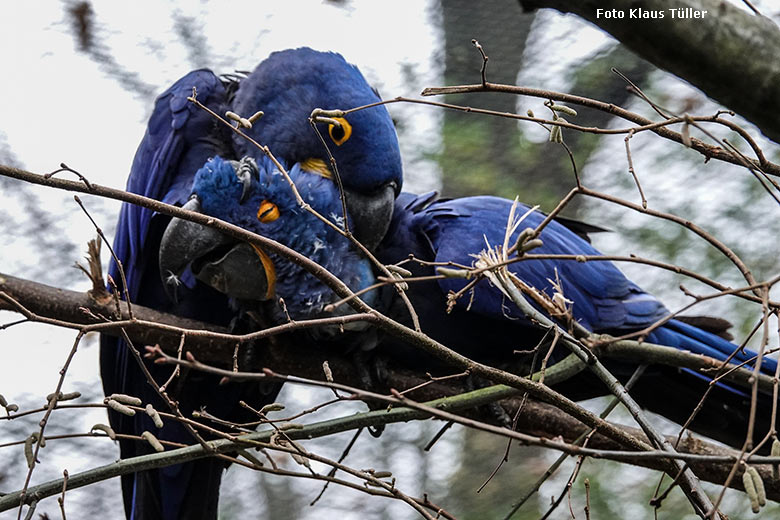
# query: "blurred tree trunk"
x,y
489,155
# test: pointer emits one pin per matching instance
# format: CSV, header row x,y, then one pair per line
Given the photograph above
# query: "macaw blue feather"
x,y
221,195
485,325
181,138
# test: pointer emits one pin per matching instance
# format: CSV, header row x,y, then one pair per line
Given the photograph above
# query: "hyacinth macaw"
x,y
179,140
254,195
487,326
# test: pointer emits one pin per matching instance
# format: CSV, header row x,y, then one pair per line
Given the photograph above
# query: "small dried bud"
x,y
273,407
125,399
531,244
104,428
402,285
120,408
257,115
759,484
685,135
233,116
303,461
555,134
35,436
564,109
28,450
750,489
328,372
153,442
453,273
398,270
530,113
3,402
63,397
156,419
12,408
246,123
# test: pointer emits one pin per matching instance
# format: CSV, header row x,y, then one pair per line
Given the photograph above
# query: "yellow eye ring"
x,y
340,134
267,212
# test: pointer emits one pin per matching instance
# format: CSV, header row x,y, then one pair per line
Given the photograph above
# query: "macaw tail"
x,y
676,392
189,490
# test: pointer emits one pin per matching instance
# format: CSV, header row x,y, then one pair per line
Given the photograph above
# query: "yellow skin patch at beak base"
x,y
270,271
318,166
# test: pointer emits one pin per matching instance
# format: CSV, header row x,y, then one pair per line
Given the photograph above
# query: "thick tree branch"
x,y
537,419
72,306
729,53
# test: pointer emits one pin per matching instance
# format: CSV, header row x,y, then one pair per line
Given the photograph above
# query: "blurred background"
x,y
80,82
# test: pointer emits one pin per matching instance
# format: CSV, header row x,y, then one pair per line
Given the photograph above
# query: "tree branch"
x,y
728,53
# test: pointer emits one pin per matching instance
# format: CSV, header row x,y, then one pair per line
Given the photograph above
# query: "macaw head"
x,y
287,87
254,195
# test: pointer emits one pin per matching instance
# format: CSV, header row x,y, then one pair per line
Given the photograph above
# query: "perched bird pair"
x,y
175,266
180,139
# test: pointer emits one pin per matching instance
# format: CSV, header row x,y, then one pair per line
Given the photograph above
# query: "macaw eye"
x,y
267,212
340,133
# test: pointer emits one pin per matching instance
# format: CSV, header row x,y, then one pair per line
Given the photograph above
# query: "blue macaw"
x,y
253,194
179,140
486,326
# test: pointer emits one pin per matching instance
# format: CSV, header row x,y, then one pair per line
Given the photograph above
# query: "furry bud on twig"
x,y
397,269
750,489
685,135
106,429
257,115
120,408
328,373
273,407
153,442
28,449
63,397
775,453
156,419
453,273
564,109
759,484
126,399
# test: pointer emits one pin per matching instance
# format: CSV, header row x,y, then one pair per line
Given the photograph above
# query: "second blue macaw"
x,y
253,194
487,326
179,140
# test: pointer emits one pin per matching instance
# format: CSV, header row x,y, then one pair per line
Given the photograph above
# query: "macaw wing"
x,y
602,297
178,140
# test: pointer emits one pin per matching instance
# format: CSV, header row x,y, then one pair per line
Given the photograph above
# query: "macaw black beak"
x,y
235,268
371,214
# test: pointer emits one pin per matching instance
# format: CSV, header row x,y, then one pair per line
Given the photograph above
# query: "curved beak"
x,y
371,214
234,268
